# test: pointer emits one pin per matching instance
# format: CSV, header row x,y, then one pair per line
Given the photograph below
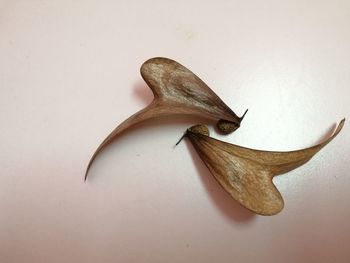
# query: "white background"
x,y
69,74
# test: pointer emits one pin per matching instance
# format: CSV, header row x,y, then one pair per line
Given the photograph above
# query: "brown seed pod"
x,y
177,91
247,174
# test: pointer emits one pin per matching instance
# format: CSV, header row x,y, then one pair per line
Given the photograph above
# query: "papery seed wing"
x,y
178,86
177,91
246,174
247,182
278,162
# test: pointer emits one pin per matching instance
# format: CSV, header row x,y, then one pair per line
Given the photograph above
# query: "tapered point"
x,y
241,118
183,136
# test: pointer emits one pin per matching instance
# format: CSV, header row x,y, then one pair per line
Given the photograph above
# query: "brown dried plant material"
x,y
247,174
177,91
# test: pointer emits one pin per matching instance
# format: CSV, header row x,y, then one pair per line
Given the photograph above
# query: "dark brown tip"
x,y
183,136
86,174
241,118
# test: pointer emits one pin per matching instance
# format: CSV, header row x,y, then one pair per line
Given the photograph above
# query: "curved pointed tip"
x,y
339,127
241,118
183,136
87,170
102,145
93,157
86,174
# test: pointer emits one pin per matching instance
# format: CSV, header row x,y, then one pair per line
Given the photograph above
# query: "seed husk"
x,y
246,174
177,91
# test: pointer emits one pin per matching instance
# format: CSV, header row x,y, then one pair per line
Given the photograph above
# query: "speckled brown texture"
x,y
246,174
177,91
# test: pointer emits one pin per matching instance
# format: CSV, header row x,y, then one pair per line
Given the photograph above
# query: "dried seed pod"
x,y
247,174
177,91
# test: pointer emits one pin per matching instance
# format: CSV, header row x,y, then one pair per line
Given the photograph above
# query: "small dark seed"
x,y
226,127
201,129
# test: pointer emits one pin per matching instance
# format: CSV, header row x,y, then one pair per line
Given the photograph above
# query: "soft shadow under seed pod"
x,y
247,174
177,91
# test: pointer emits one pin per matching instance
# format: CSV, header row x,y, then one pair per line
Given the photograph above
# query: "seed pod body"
x,y
246,174
227,127
177,91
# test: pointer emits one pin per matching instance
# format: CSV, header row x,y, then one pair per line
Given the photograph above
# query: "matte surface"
x,y
69,73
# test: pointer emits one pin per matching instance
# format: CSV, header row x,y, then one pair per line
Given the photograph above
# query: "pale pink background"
x,y
69,73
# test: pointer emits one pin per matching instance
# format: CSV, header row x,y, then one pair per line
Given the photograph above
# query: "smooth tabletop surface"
x,y
69,74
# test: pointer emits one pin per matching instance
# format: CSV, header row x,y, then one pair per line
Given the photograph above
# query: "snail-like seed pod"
x,y
177,91
246,174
